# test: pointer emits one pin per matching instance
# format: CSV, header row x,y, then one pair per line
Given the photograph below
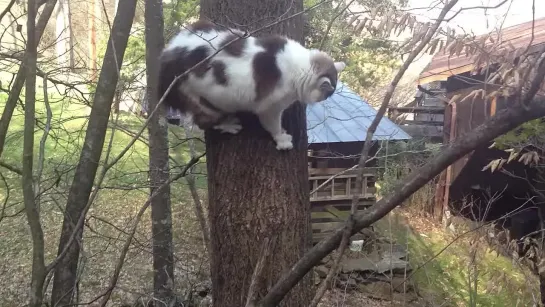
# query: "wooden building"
x,y
464,181
337,130
423,117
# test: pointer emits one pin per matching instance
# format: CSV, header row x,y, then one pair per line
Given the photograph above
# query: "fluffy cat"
x,y
262,75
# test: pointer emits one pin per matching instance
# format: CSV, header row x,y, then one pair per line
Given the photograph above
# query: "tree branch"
x,y
503,122
19,82
349,225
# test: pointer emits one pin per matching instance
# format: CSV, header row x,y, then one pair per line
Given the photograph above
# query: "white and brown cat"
x,y
262,75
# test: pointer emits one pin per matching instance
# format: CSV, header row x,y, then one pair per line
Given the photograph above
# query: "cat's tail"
x,y
171,65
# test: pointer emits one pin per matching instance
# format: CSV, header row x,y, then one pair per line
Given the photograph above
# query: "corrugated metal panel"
x,y
345,117
519,36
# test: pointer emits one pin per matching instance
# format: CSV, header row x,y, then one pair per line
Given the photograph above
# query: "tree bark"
x,y
161,215
65,272
33,215
17,87
257,193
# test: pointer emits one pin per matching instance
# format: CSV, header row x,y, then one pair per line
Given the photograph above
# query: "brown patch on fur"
x,y
176,62
203,26
235,48
266,71
195,56
218,68
325,67
206,115
171,66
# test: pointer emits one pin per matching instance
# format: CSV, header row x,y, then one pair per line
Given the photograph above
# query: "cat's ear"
x,y
340,66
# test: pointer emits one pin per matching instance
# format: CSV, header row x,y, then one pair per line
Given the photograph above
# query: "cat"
x,y
262,75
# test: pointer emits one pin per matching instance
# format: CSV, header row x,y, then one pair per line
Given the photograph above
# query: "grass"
x,y
444,277
125,190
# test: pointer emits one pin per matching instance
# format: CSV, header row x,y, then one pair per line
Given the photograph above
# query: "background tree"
x,y
161,214
31,208
258,196
77,205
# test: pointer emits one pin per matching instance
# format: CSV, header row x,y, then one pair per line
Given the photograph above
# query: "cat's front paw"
x,y
229,125
228,128
283,141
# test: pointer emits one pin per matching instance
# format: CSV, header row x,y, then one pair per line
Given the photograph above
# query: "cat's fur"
x,y
262,75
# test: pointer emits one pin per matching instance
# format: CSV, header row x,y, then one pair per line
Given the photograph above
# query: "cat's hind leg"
x,y
271,120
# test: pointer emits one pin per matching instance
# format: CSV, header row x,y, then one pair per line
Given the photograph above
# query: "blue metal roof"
x,y
345,117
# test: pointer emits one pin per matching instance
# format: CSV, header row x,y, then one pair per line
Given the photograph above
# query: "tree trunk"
x,y
33,215
65,272
17,87
257,193
161,215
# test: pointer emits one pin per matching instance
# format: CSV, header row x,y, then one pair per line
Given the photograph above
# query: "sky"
x,y
480,20
476,20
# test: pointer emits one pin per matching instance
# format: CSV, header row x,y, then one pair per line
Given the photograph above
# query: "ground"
x,y
445,272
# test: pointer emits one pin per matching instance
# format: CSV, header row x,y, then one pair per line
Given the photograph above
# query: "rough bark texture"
x,y
19,81
256,191
161,214
33,216
65,272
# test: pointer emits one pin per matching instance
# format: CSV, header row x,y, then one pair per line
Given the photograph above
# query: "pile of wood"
x,y
380,273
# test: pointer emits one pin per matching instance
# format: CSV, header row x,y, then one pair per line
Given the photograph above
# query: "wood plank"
x,y
428,110
324,215
327,226
347,197
325,177
317,237
333,210
335,170
421,122
423,131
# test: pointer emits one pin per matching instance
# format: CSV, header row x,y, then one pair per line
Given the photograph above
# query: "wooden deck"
x,y
427,122
331,198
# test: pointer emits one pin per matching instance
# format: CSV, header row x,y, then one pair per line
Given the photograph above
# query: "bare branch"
x,y
256,276
349,225
11,168
504,121
121,260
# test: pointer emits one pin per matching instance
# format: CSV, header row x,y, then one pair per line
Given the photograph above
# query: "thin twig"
x,y
190,178
6,10
349,225
505,120
256,276
115,276
11,168
41,154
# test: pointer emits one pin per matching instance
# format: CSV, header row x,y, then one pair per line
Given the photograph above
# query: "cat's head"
x,y
322,81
